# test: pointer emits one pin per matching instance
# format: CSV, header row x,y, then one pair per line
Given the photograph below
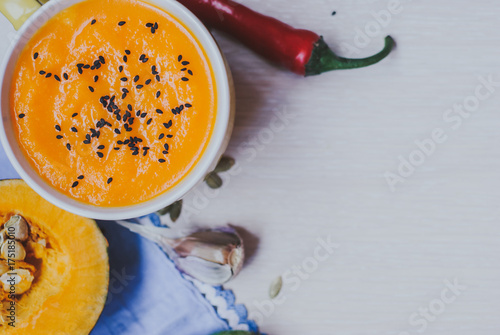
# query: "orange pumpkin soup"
x,y
114,101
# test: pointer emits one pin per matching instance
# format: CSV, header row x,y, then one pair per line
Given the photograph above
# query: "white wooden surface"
x,y
322,174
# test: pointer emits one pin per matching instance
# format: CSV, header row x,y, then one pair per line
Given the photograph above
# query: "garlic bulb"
x,y
213,256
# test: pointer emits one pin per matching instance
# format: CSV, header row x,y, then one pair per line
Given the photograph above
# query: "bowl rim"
x,y
212,152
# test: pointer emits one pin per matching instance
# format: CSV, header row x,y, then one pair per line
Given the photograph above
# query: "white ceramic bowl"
x,y
215,148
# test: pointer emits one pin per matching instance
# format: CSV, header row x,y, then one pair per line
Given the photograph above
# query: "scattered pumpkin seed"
x,y
275,287
213,180
224,164
175,210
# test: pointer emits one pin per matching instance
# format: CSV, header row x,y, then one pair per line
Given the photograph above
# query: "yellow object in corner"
x,y
18,11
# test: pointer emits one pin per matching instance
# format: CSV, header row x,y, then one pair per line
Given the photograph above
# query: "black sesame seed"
x,y
101,59
75,184
190,72
125,90
93,21
125,58
59,137
165,152
87,66
156,25
153,30
158,94
117,131
143,115
185,63
121,23
127,141
188,105
184,79
74,114
73,129
149,25
65,75
119,142
86,142
100,147
116,148
168,124
179,58
153,69
91,89
80,177
159,111
35,55
98,134
123,79
170,136
109,180
139,87
100,154
165,146
124,95
48,75
127,52
21,115
68,146
56,77
148,82
184,69
135,153
129,106
120,68
145,60
157,77
79,65
96,78
162,135
149,121
92,67
136,78
80,71
161,160
142,57
58,127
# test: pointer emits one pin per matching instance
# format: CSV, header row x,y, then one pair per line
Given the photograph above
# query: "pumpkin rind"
x,y
70,288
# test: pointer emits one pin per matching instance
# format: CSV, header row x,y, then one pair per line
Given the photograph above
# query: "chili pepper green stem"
x,y
323,59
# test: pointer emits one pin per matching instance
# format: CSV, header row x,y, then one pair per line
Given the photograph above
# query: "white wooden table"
x,y
312,157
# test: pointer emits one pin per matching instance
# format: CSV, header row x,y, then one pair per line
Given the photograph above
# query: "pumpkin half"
x,y
54,267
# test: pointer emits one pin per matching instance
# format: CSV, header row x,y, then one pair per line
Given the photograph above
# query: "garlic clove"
x,y
212,256
203,270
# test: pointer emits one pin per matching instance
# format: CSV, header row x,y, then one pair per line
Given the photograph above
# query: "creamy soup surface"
x,y
114,102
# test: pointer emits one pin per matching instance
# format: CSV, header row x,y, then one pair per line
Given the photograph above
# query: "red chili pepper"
x,y
302,51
